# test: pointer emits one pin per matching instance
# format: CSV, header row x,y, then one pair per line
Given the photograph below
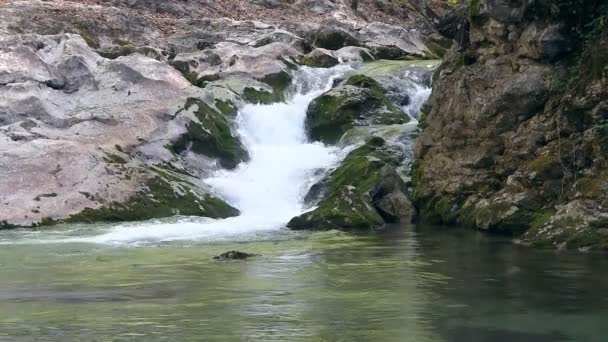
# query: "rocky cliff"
x,y
516,137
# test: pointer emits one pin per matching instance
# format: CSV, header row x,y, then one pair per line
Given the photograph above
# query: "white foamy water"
x,y
268,189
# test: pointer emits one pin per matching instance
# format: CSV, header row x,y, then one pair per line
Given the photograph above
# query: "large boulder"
x,y
78,132
364,192
358,101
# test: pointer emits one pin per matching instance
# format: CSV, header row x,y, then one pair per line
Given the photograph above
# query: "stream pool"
x,y
413,284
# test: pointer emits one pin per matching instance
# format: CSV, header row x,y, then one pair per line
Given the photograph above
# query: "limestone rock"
x,y
358,101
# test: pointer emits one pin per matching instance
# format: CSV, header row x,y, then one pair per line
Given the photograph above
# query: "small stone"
x,y
234,255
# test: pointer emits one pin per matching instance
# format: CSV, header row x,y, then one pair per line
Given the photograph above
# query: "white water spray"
x,y
268,189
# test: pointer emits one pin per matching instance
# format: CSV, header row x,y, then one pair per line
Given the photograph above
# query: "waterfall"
x,y
270,187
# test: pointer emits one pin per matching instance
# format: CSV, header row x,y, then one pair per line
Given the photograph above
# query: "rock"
x,y
268,64
358,101
390,200
353,54
320,58
364,192
578,224
75,125
332,36
393,42
234,255
504,148
211,136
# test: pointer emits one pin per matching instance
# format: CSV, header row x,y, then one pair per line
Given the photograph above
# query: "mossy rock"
x,y
260,96
279,83
211,136
159,198
547,167
360,100
440,209
346,202
226,107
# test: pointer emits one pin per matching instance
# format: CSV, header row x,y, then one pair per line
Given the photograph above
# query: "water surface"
x,y
407,284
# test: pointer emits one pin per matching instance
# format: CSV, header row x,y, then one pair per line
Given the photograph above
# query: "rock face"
x,y
358,101
364,192
515,138
73,124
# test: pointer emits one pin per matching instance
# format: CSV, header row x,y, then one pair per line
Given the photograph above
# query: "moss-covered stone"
x,y
211,136
226,107
260,96
279,83
159,198
441,209
347,200
360,100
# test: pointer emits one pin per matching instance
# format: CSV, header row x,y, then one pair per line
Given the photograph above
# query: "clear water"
x,y
156,280
409,284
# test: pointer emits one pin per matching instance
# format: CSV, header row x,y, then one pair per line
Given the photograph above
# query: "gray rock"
x,y
320,58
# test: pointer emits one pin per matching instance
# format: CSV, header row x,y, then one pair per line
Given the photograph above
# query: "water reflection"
x,y
401,285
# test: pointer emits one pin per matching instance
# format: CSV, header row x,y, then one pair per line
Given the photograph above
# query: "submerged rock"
x,y
364,192
234,255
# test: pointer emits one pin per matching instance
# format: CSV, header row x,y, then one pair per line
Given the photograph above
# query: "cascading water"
x,y
268,189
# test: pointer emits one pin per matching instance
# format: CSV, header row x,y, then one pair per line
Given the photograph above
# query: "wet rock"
x,y
363,193
358,101
503,148
234,255
320,58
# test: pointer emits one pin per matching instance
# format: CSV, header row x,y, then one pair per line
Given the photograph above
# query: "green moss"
x,y
122,42
474,8
111,158
191,76
91,40
211,136
547,166
159,199
594,187
540,218
346,204
360,99
279,83
385,67
422,124
259,96
226,107
440,209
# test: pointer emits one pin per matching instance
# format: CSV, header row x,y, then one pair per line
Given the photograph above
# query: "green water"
x,y
407,284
